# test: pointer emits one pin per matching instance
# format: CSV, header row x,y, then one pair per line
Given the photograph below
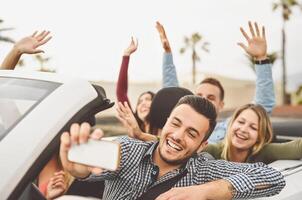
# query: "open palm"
x,y
31,43
257,46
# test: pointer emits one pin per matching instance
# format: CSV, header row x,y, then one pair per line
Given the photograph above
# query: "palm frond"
x,y
6,39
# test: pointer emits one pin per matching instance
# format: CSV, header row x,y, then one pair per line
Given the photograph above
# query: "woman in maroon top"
x,y
144,100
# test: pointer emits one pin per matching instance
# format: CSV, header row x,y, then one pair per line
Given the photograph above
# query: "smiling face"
x,y
143,106
244,130
211,93
182,135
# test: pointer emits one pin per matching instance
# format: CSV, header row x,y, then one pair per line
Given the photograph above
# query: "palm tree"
x,y
286,6
42,60
4,38
271,56
191,43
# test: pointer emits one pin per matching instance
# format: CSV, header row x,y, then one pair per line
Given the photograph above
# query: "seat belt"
x,y
157,190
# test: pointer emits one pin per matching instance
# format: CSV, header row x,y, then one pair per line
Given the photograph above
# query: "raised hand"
x,y
57,185
31,43
127,118
131,48
257,46
163,37
78,134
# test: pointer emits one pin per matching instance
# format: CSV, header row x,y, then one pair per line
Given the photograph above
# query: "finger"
x,y
136,43
263,33
74,133
127,107
58,178
35,51
257,29
122,108
132,41
44,35
60,185
119,112
44,41
40,35
97,134
122,120
244,34
59,173
242,46
84,133
34,34
64,148
96,170
251,29
158,26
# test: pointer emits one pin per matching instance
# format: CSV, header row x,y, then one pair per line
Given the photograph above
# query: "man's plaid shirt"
x,y
137,174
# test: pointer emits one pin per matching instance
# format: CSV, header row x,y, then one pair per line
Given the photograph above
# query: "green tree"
x,y
192,43
5,38
286,7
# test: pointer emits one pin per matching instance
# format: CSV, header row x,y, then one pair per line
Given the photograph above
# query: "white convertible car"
x,y
35,108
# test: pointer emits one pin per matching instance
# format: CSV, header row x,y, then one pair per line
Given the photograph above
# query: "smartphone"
x,y
96,153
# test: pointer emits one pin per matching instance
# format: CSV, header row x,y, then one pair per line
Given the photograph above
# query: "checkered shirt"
x,y
138,173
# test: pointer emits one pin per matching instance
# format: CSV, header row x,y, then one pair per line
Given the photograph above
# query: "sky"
x,y
89,37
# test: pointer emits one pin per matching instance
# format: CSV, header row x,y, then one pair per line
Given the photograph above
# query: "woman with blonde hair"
x,y
248,139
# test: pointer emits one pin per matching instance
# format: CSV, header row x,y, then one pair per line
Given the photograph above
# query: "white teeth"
x,y
173,146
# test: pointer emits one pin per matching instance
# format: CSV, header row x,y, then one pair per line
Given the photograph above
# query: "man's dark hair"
x,y
202,106
216,83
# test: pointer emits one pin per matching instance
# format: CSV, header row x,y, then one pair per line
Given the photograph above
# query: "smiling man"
x,y
148,170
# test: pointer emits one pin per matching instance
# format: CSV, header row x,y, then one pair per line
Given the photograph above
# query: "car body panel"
x,y
18,152
292,171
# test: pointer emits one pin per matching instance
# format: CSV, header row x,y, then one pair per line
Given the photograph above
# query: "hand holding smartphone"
x,y
96,153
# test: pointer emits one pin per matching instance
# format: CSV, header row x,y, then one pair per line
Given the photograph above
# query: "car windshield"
x,y
17,97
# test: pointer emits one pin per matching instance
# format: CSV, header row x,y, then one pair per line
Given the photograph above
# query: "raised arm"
x,y
257,49
27,45
122,83
168,67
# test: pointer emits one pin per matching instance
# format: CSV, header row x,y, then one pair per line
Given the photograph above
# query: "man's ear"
x,y
202,146
221,105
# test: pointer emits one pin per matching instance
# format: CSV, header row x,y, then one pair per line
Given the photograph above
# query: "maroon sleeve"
x,y
122,82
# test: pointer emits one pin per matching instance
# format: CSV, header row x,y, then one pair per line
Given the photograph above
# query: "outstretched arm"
x,y
257,48
281,151
169,71
219,189
122,83
78,134
28,45
248,180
